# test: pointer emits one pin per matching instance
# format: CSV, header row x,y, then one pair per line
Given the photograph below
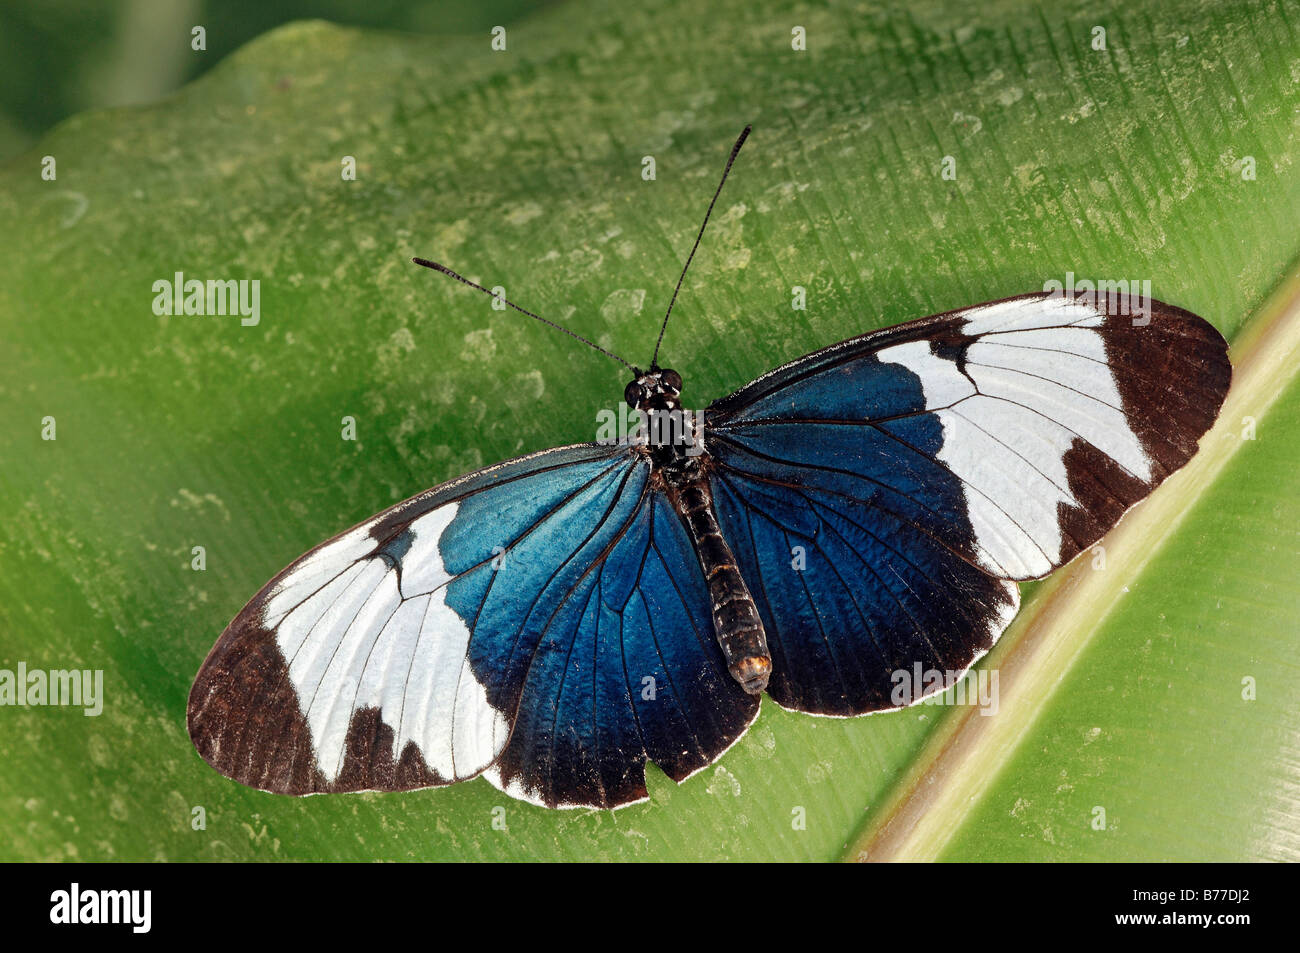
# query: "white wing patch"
x,y
422,567
315,571
1028,313
355,635
1035,385
942,382
516,789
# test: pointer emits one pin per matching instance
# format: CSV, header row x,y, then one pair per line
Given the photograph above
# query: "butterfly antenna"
x,y
735,150
463,280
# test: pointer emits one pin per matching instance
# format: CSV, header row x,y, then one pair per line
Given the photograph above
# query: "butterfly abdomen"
x,y
736,622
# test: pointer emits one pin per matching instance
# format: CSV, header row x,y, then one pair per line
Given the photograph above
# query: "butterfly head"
x,y
656,389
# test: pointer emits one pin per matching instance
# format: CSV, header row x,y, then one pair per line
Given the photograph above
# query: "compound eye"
x,y
633,394
671,379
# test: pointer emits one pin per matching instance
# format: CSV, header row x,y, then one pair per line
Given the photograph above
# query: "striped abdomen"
x,y
736,624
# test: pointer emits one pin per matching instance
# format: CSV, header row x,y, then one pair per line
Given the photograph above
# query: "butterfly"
x,y
554,622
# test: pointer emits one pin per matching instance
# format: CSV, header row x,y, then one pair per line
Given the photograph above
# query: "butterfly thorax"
x,y
669,436
672,439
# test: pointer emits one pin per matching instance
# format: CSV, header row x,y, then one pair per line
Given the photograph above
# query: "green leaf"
x,y
523,169
1183,619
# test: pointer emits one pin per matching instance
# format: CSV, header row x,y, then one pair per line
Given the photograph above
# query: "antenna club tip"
x,y
434,265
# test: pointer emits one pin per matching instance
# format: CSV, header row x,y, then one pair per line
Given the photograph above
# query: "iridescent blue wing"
x,y
542,620
629,669
881,494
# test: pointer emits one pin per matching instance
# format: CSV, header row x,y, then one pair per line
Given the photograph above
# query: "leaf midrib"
x,y
967,751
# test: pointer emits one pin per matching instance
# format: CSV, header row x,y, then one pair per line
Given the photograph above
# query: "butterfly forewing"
x,y
526,614
879,493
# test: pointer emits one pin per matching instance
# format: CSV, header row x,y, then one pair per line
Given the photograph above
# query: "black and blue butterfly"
x,y
556,621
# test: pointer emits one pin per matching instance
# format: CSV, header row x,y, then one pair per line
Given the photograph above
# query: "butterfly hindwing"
x,y
922,465
851,595
404,652
628,670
